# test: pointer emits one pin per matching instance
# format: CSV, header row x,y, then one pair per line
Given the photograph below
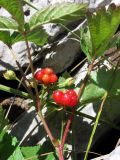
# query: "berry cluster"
x,y
68,98
46,76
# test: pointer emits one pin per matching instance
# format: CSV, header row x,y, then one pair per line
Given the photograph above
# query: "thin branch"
x,y
31,5
54,141
15,95
72,32
32,70
24,79
95,125
67,128
82,87
46,127
78,65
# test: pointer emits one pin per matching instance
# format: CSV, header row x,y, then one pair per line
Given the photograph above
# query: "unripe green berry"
x,y
10,75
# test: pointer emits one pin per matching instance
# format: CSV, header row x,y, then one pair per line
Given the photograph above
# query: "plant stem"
x,y
32,70
24,83
60,152
95,125
36,91
67,128
38,105
100,111
46,127
72,32
31,5
78,65
52,139
82,87
14,91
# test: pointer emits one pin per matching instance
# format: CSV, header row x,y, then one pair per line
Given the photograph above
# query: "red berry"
x,y
48,70
57,96
70,98
71,92
66,99
74,101
53,78
46,79
39,74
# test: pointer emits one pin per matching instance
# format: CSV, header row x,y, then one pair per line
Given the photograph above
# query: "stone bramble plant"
x,y
95,38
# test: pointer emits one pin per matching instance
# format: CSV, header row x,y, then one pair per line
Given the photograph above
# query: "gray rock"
x,y
62,55
7,59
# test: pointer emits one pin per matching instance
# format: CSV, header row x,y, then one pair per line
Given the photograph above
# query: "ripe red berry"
x,y
53,78
39,74
66,99
69,98
71,92
73,101
46,76
46,79
48,70
57,96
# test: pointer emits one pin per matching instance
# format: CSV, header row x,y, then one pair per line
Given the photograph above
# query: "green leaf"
x,y
37,36
102,24
7,24
63,78
85,42
15,8
5,37
14,91
31,152
3,121
8,148
115,41
99,83
61,13
44,152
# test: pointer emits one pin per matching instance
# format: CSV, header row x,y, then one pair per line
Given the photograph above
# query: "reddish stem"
x,y
67,128
32,70
69,122
60,152
38,105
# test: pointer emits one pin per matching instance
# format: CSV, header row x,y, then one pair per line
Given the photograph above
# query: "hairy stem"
x,y
60,152
52,139
32,70
38,105
46,127
67,129
82,87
